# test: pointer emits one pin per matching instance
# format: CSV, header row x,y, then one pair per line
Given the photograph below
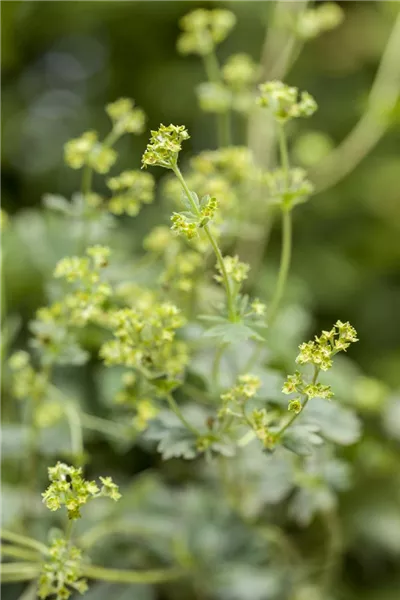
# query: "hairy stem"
x,y
286,251
127,576
373,123
229,295
23,540
223,119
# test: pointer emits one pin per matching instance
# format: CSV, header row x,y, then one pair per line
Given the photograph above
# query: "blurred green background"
x,y
63,61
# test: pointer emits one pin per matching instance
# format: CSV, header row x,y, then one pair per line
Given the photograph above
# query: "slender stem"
x,y
175,408
75,428
129,576
286,253
19,571
214,244
23,540
68,530
17,552
223,119
373,123
333,550
92,536
217,365
284,155
286,250
105,426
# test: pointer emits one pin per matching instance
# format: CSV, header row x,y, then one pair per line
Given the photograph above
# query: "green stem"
x,y
68,530
16,552
223,119
19,571
104,426
333,550
286,250
284,264
175,408
216,366
214,244
127,576
75,428
23,540
92,536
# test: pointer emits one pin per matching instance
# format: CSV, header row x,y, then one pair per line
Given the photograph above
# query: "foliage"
x,y
176,355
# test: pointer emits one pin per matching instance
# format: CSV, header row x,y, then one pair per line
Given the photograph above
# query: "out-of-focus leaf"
x,y
336,423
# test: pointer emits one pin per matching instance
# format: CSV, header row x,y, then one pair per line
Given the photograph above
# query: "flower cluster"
x,y
87,150
164,146
189,224
130,190
245,388
68,488
315,21
27,383
144,339
321,351
86,302
214,97
287,189
237,271
203,30
184,225
233,163
284,101
61,574
258,308
260,423
240,71
125,117
318,353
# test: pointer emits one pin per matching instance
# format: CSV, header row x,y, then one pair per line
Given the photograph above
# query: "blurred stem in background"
x,y
213,72
373,123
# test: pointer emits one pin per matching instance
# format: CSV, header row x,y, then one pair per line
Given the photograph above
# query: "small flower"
x,y
203,29
164,146
258,308
295,406
287,189
126,118
235,269
109,488
181,224
284,102
314,21
61,574
240,71
214,97
130,190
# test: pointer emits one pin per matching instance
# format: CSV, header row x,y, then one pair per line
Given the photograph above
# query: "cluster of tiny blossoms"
x,y
27,383
234,91
68,488
61,574
89,151
284,102
189,225
203,30
237,271
144,338
164,146
245,388
319,353
130,190
86,302
287,189
314,21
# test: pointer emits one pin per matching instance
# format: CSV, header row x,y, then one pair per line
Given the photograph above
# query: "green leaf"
x,y
302,439
336,423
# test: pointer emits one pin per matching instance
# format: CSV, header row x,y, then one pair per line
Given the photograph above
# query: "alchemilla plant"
x,y
201,355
